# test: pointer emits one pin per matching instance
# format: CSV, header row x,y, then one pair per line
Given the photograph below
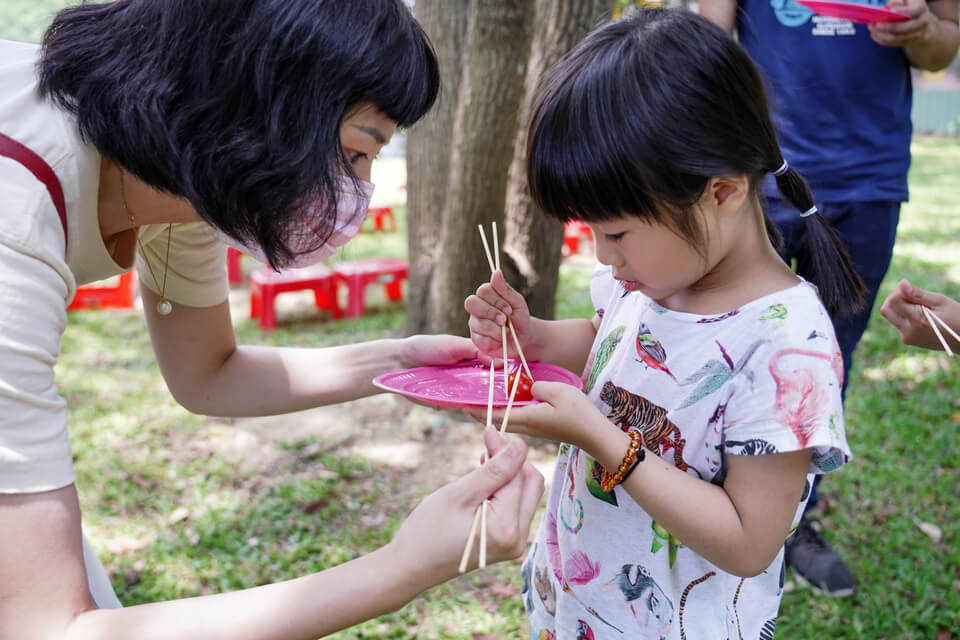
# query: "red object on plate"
x,y
465,384
852,11
523,387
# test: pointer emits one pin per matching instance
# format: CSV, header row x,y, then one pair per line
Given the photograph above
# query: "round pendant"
x,y
164,307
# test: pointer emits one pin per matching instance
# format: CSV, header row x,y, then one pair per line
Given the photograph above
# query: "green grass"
x,y
903,417
26,20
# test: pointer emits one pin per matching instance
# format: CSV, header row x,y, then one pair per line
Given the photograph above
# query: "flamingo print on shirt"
x,y
803,399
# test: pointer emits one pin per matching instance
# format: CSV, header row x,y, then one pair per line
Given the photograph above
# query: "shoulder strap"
x,y
41,170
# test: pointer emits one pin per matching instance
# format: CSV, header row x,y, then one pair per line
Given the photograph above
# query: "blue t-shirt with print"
x,y
841,102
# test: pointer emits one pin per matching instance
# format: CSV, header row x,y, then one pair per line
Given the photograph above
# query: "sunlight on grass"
x,y
908,366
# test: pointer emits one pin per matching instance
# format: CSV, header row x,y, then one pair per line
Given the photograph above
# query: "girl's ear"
x,y
726,194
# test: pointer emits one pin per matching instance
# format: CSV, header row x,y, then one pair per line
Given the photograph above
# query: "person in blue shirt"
x,y
842,97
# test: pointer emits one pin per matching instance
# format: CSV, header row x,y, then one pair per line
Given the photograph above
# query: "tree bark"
x,y
533,249
429,154
447,260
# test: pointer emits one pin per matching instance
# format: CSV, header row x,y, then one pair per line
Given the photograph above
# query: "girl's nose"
x,y
606,252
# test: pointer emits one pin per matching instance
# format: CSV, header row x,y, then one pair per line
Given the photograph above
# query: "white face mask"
x,y
351,211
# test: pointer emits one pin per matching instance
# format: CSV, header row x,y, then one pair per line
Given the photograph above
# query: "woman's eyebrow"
x,y
372,132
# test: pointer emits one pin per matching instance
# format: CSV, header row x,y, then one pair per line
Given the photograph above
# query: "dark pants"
x,y
868,229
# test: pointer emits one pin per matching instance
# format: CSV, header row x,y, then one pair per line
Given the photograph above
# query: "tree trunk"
x,y
534,241
428,153
451,264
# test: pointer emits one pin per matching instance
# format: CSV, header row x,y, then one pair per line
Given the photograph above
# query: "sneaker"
x,y
814,563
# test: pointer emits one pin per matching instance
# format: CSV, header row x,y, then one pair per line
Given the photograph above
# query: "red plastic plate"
x,y
465,384
852,11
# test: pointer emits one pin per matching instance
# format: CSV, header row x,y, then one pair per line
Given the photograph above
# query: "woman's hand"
x,y
564,414
902,310
432,539
489,308
427,350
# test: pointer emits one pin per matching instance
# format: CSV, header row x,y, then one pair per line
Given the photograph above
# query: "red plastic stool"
x,y
234,269
379,215
573,232
266,284
357,274
110,293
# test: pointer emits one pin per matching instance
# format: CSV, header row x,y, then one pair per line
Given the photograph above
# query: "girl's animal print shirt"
x,y
760,379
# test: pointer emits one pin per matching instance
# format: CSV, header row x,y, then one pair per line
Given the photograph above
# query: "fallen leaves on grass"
x,y
178,514
932,530
122,544
491,595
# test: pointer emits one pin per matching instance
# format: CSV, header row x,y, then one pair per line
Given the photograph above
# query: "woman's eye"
x,y
357,157
613,237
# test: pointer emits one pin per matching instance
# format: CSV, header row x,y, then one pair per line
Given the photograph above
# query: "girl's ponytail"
x,y
841,288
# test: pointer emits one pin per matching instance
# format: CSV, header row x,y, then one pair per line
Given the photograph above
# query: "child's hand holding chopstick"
x,y
923,318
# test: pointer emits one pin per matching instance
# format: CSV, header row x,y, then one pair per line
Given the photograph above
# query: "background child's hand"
x,y
920,27
564,414
489,308
902,311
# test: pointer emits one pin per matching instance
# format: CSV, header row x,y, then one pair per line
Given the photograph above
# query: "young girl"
x,y
711,371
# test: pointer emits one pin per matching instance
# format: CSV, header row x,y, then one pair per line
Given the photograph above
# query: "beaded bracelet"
x,y
634,455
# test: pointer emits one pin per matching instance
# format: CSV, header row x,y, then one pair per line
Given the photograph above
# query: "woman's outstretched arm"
x,y
208,373
43,588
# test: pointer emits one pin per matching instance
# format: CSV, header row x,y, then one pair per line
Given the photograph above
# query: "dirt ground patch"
x,y
422,447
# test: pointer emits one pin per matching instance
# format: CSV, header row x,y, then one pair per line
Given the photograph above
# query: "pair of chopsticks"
x,y
494,263
480,518
933,319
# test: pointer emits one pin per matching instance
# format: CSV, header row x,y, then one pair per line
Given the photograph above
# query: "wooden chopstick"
x,y
482,563
948,328
932,320
480,517
516,342
506,413
494,265
503,328
485,504
470,536
490,396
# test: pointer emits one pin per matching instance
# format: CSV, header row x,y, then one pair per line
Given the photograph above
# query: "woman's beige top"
x,y
38,278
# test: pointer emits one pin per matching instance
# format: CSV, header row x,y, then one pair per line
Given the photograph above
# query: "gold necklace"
x,y
164,307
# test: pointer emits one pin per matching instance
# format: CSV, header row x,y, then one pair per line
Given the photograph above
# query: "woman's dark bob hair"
x,y
639,117
236,105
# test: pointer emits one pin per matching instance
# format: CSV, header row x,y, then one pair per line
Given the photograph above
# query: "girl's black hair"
x,y
644,112
236,105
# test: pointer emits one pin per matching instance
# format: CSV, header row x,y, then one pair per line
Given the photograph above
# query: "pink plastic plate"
x,y
862,13
465,384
